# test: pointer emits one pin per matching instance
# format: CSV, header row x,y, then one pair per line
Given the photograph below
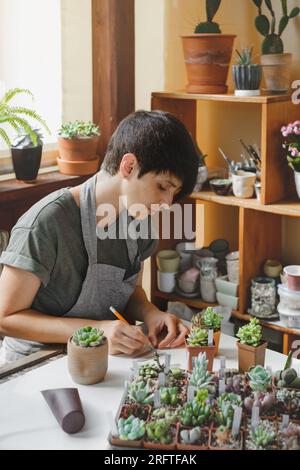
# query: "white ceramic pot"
x,y
243,184
186,251
166,282
297,182
208,290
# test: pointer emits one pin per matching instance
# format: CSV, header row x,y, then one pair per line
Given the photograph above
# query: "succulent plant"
x,y
197,337
222,435
140,392
259,378
245,56
169,395
264,401
196,414
149,370
209,318
193,436
159,431
88,337
78,130
131,429
289,437
251,333
170,415
199,377
226,403
272,43
234,384
263,437
209,26
288,378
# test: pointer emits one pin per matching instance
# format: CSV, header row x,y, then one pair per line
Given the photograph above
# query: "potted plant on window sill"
x,y
251,347
207,54
88,356
78,143
276,64
27,148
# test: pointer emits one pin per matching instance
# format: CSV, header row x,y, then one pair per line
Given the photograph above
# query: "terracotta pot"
x,y
116,441
78,150
194,351
277,71
26,163
78,168
248,356
217,336
87,366
207,59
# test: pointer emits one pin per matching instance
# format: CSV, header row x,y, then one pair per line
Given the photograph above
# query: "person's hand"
x,y
124,339
158,321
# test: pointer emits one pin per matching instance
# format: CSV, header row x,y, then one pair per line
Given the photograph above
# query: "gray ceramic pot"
x,y
247,77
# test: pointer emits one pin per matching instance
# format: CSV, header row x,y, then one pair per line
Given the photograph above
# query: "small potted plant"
x,y
141,392
289,437
130,432
197,343
251,347
200,378
223,439
195,438
27,148
88,355
276,63
246,75
211,320
160,435
78,143
292,146
207,54
263,437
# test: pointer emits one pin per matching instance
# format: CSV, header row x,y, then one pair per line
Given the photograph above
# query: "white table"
x,y
26,422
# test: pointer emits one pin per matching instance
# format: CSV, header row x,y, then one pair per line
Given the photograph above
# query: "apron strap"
x,y
88,217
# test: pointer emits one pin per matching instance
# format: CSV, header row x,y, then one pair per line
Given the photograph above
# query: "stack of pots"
x,y
289,293
208,276
168,262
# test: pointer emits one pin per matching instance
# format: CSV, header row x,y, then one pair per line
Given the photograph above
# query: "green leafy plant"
x,y
140,392
169,414
245,56
273,43
209,26
17,117
259,378
211,319
131,429
200,377
226,403
196,413
159,431
78,130
24,141
263,436
88,337
251,334
169,396
150,370
197,337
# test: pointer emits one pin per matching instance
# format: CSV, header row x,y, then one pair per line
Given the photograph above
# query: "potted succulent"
x,y
289,437
207,54
141,392
197,343
200,378
27,148
276,63
223,439
211,320
292,146
77,143
251,347
88,355
130,432
161,435
246,75
195,438
262,437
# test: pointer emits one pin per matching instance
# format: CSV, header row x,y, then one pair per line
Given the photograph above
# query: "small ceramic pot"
x,y
87,366
208,267
233,266
221,187
166,282
186,250
168,261
293,277
189,280
272,268
243,184
208,290
247,79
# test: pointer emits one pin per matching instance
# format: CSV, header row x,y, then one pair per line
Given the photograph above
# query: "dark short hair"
x,y
160,142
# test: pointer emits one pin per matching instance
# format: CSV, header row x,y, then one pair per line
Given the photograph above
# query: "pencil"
x,y
118,315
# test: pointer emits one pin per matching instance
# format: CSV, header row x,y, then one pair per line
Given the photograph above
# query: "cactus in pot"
x,y
209,26
88,355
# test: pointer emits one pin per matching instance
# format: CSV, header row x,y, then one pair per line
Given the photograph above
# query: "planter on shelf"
x,y
251,347
88,356
78,143
207,54
246,75
276,64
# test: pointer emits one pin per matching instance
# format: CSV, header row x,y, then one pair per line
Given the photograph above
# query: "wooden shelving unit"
x,y
254,227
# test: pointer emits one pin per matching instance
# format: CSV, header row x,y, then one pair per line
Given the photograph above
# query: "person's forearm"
x,y
139,306
35,326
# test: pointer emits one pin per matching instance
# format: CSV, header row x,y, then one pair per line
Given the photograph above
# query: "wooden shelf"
x,y
289,207
230,97
195,303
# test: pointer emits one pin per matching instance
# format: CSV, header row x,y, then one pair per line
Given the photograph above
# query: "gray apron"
x,y
104,285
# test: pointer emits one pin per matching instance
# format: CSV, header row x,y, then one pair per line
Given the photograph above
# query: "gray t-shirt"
x,y
47,241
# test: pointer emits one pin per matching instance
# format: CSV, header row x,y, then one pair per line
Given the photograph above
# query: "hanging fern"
x,y
16,117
